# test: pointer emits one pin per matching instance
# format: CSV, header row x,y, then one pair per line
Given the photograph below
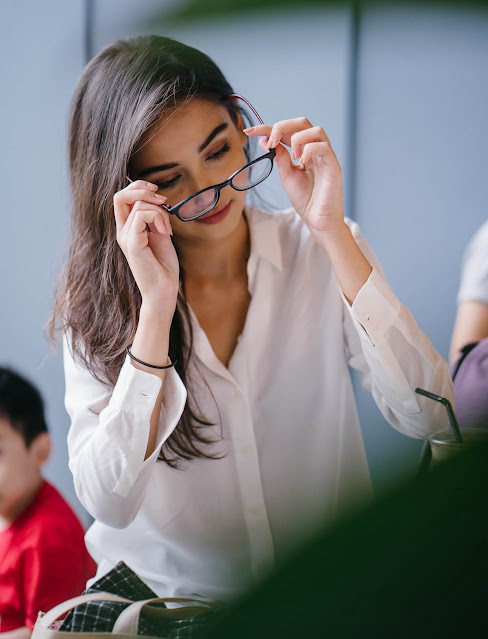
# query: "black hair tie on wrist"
x,y
139,361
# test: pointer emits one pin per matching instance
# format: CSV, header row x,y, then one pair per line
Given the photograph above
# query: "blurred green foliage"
x,y
414,565
194,10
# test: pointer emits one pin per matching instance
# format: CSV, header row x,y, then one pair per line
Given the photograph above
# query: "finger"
x,y
138,206
256,131
167,221
283,161
126,198
319,149
140,221
144,218
300,138
280,131
140,184
160,225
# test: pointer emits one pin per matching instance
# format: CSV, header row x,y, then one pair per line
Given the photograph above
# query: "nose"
x,y
201,182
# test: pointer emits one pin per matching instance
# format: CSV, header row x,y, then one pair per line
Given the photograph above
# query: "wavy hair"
x,y
122,92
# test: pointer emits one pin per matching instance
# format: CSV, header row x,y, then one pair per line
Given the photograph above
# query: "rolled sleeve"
x,y
376,308
374,312
136,391
109,432
393,355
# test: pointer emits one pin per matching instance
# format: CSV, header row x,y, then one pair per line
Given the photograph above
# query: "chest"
x,y
221,312
11,587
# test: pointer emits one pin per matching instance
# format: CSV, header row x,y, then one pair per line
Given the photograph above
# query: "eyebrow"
x,y
164,167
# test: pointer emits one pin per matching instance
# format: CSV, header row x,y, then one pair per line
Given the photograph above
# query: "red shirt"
x,y
43,560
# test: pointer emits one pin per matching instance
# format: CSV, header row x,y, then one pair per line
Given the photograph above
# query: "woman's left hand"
x,y
314,186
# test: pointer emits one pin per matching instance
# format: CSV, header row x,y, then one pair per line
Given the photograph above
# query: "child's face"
x,y
19,469
177,139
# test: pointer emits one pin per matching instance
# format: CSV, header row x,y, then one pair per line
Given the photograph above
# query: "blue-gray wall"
x,y
422,98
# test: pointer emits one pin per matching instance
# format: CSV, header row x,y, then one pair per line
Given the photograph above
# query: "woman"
x,y
213,416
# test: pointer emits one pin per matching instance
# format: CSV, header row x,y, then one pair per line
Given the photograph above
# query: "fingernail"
x,y
160,197
269,143
249,129
150,185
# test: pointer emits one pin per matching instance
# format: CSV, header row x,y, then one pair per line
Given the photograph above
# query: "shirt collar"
x,y
264,230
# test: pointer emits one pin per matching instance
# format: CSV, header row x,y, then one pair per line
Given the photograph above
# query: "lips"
x,y
212,213
215,216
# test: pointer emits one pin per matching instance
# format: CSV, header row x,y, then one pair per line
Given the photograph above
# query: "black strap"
x,y
139,361
464,352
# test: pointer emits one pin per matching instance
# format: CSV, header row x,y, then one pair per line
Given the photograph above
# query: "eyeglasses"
x,y
247,177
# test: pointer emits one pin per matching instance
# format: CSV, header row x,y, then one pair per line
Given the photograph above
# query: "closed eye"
x,y
169,183
215,156
218,154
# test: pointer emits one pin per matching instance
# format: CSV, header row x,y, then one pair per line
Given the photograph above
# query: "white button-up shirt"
x,y
284,420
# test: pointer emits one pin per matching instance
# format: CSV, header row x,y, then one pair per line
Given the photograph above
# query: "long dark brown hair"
x,y
122,92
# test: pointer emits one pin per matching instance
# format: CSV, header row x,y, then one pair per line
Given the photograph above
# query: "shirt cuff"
x,y
135,393
376,308
374,311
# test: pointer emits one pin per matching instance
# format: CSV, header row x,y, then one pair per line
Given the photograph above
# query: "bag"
x,y
178,622
130,610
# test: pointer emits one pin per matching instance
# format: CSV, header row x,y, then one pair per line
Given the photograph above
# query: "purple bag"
x,y
470,375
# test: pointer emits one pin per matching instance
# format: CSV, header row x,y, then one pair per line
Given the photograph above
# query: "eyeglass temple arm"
x,y
235,95
163,206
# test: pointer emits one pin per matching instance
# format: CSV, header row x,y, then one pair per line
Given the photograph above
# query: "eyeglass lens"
x,y
246,178
198,204
252,175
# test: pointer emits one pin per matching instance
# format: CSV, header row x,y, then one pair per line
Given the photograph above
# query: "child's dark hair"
x,y
21,404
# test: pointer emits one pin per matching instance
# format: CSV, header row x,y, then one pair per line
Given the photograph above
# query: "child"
x,y
43,559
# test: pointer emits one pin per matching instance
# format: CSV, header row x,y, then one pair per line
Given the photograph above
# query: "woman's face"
x,y
202,146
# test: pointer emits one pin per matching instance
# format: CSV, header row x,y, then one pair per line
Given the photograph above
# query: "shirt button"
x,y
254,510
236,394
245,451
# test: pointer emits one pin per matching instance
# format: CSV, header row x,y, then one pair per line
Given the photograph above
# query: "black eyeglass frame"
x,y
174,210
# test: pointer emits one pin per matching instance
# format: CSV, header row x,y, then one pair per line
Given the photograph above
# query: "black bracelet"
x,y
139,361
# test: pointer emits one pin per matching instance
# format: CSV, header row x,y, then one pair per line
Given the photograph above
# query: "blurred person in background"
x,y
471,325
43,558
207,341
469,344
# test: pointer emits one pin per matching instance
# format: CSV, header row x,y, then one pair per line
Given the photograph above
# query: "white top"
x,y
286,413
474,272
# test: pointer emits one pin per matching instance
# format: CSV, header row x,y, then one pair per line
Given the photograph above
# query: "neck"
x,y
216,261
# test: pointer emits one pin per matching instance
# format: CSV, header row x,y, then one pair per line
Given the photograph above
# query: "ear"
x,y
240,126
40,449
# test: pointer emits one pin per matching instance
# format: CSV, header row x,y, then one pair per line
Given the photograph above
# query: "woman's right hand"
x,y
150,254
